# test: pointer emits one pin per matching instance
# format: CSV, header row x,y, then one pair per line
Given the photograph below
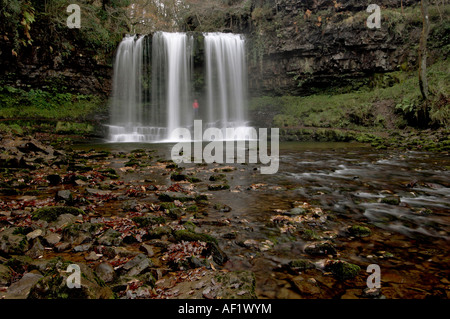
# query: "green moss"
x,y
343,270
187,235
50,214
301,264
360,231
167,205
159,232
190,226
217,177
391,200
192,208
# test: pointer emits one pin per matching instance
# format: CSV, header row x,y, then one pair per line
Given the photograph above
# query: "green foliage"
x,y
16,18
38,103
356,109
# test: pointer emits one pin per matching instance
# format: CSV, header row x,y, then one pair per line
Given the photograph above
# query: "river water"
x,y
344,184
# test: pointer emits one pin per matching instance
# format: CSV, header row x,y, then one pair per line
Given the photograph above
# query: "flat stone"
x,y
34,234
52,238
92,256
21,288
137,265
147,249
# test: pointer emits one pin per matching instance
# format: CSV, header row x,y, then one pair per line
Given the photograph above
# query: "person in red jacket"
x,y
195,107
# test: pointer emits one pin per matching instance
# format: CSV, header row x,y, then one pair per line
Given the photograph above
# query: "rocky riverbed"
x,y
140,226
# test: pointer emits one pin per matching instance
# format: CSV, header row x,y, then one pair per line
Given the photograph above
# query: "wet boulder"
x,y
37,249
137,265
105,272
22,288
54,284
51,213
342,270
13,242
321,249
64,195
110,238
359,231
5,275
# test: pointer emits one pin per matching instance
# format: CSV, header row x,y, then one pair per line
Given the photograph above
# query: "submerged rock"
x,y
300,265
321,249
359,231
391,200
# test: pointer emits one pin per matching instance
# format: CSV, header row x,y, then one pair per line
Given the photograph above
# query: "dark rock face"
x,y
318,44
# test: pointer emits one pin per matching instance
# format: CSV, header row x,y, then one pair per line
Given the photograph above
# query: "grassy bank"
x,y
30,111
384,113
390,101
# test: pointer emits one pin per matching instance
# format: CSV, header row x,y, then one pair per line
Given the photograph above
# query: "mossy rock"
x,y
391,200
237,285
50,214
13,242
321,249
310,235
175,213
158,232
167,205
132,163
187,235
181,177
148,221
343,270
5,275
192,209
217,177
218,187
301,264
54,284
359,231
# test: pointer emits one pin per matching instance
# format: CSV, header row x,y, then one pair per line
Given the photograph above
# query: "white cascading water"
x,y
137,117
171,80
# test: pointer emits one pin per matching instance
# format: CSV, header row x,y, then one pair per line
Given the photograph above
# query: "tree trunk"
x,y
423,82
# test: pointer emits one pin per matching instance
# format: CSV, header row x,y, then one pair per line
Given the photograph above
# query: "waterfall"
x,y
225,78
171,79
153,93
126,107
